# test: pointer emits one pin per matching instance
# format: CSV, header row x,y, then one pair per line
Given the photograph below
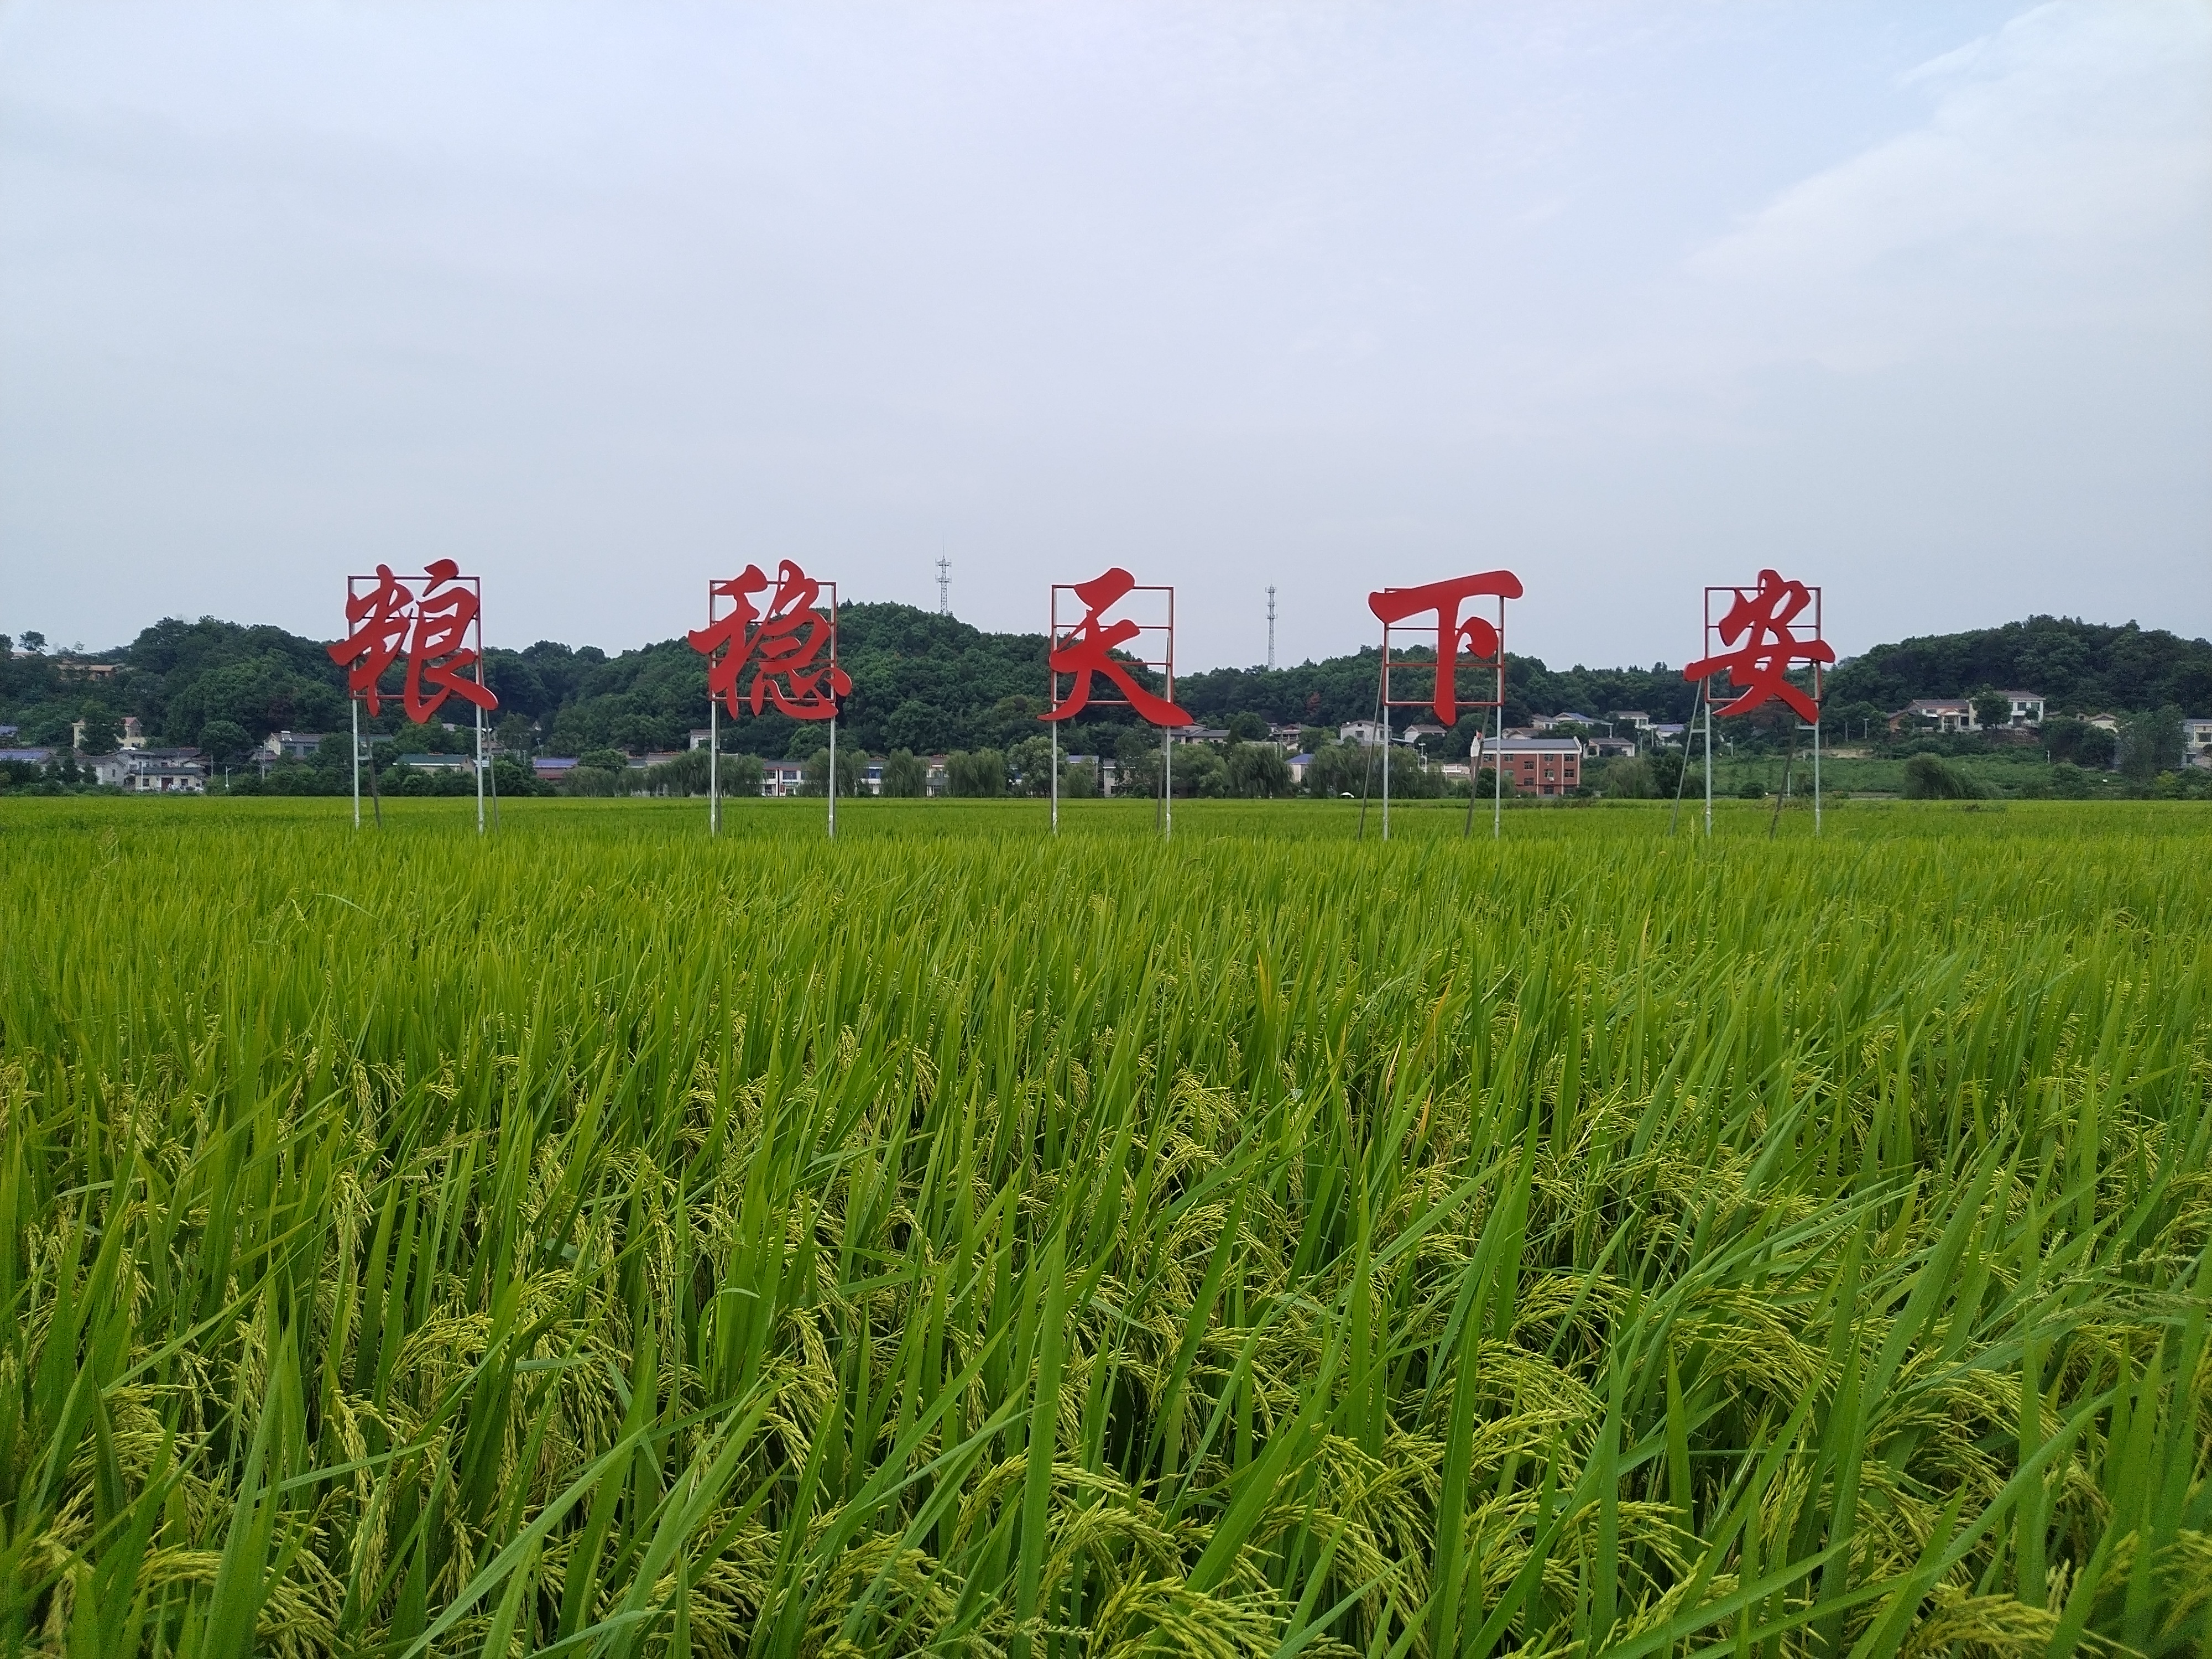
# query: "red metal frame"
x,y
1445,691
716,591
373,693
1723,653
1059,634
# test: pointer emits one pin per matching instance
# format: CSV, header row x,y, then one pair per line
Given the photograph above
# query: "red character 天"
x,y
786,642
1088,649
438,653
1761,618
1442,600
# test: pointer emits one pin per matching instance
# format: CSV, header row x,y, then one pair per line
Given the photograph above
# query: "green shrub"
x,y
1927,778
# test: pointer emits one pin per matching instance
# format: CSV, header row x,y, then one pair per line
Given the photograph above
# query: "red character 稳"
x,y
1761,619
431,631
785,641
1443,599
1088,649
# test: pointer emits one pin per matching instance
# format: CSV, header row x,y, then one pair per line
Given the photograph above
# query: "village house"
x,y
2197,742
1539,766
132,737
286,745
150,771
1957,714
167,777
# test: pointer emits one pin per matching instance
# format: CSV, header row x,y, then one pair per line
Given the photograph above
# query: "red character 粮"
x,y
1759,625
433,630
1088,648
1442,600
785,641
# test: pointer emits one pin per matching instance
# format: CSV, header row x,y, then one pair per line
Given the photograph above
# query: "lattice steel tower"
x,y
945,587
1271,625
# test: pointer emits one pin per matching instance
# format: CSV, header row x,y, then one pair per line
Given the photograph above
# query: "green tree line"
x,y
929,684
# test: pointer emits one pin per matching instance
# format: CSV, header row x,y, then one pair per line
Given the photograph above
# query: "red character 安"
x,y
1760,625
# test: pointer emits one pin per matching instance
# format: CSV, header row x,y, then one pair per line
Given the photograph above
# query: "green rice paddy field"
x,y
594,1239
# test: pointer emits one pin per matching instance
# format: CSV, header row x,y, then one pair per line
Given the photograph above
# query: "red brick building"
x,y
1541,766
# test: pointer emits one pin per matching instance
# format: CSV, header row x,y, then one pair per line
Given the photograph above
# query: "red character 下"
x,y
1088,649
434,630
1761,619
785,641
1442,600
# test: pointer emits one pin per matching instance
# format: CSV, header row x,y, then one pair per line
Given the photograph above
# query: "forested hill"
x,y
2081,667
929,683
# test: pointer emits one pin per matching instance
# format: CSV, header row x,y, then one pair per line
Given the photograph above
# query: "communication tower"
x,y
1271,625
945,587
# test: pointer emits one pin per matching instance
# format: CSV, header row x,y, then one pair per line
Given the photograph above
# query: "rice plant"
x,y
596,1239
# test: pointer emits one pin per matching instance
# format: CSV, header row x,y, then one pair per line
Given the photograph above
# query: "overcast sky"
x,y
1912,300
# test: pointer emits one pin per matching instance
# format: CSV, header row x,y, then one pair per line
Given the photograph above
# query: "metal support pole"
x,y
480,765
355,703
1386,773
1498,780
1473,771
1167,785
833,777
1816,773
1709,763
1056,767
714,767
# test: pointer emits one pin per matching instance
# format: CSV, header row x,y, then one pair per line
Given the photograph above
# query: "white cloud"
x,y
2062,179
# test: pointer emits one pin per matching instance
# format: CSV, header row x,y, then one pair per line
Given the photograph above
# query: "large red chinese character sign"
x,y
1446,633
1084,647
789,642
438,625
1753,635
1761,625
1440,638
775,648
440,631
1093,646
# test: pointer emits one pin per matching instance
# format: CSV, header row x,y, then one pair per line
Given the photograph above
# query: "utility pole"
x,y
943,587
1271,626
